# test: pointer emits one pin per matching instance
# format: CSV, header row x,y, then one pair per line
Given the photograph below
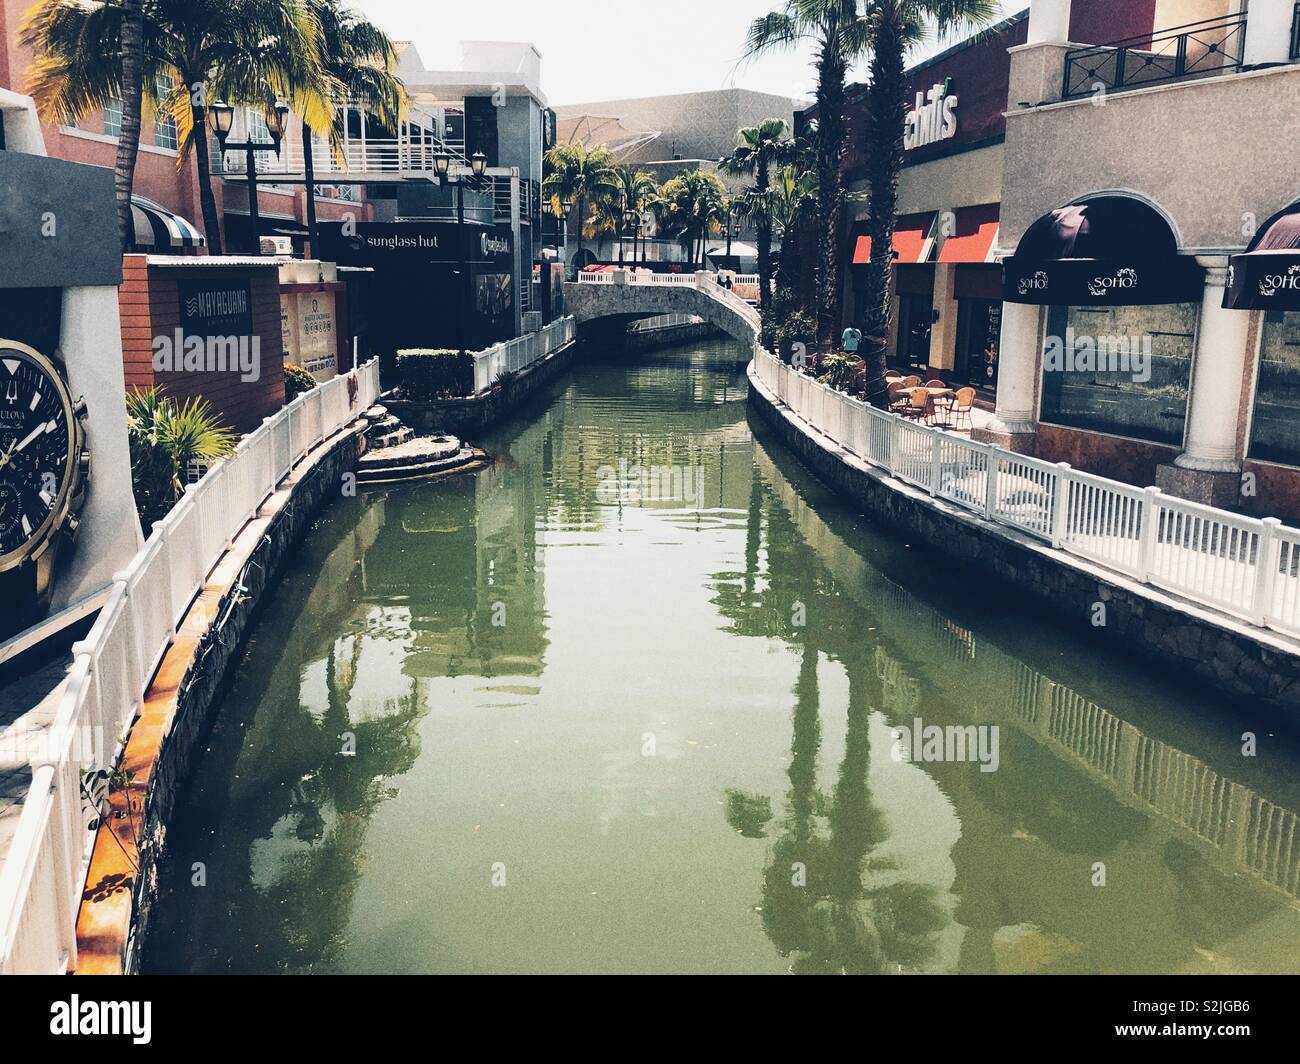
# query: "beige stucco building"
x,y
1132,173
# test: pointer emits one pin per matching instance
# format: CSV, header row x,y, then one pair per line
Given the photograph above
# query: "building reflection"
x,y
1078,784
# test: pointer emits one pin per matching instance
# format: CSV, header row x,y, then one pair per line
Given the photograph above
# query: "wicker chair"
x,y
920,406
961,407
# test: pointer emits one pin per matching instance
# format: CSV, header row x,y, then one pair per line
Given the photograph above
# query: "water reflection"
x,y
1080,788
471,672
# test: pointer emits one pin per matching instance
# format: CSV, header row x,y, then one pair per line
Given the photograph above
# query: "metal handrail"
x,y
1111,66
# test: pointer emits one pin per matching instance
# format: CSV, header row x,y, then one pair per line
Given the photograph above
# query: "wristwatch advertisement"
x,y
44,469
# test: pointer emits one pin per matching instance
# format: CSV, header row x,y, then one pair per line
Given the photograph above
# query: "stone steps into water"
x,y
421,456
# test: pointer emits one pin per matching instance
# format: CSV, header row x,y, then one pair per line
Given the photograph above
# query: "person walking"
x,y
851,339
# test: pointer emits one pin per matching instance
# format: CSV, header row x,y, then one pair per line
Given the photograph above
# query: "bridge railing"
x,y
520,353
1242,566
41,878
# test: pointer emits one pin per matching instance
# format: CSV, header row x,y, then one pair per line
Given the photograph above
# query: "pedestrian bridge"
x,y
615,298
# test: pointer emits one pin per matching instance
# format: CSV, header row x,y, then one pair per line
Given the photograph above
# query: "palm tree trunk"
x,y
763,236
208,202
887,111
581,213
309,174
830,190
128,140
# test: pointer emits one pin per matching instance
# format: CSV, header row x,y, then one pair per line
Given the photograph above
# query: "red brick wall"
x,y
150,307
1131,461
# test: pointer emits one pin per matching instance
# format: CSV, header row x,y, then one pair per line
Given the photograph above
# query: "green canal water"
x,y
626,702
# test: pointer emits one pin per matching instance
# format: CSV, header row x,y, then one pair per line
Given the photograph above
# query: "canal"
x,y
626,702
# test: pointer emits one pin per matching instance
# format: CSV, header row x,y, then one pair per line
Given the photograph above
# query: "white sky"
x,y
613,49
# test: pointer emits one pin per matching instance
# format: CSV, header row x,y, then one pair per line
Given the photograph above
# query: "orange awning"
x,y
977,228
910,235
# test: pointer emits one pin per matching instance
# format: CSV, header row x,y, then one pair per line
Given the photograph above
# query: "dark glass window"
x,y
1149,404
1275,423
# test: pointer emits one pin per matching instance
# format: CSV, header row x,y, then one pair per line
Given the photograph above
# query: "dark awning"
x,y
1266,276
1110,251
158,229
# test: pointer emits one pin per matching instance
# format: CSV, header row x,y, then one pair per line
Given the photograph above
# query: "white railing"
x,y
643,277
664,321
1243,566
41,878
517,354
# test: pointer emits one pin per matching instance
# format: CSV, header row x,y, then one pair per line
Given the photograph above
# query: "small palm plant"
x,y
166,436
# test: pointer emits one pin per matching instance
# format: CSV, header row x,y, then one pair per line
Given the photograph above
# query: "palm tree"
x,y
759,150
166,437
580,176
128,136
840,38
357,64
893,27
636,188
244,51
794,197
689,206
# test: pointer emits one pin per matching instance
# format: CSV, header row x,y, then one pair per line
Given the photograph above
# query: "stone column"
x,y
943,335
1019,358
1049,22
1268,32
1209,468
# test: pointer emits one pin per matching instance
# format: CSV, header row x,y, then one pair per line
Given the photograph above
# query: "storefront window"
x,y
1275,425
915,320
979,331
1123,370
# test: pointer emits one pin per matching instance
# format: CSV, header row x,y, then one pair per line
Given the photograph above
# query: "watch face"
x,y
36,459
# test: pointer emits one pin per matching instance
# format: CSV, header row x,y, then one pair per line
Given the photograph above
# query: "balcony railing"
x,y
1198,49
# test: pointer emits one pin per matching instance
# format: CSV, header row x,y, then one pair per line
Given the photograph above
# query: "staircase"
x,y
395,453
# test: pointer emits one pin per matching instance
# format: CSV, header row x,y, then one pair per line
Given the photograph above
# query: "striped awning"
x,y
158,229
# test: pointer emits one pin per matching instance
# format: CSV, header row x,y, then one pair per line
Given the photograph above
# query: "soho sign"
x,y
1126,278
934,118
1269,285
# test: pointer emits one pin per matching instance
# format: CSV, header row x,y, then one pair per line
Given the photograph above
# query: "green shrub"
x,y
797,327
165,437
435,374
296,381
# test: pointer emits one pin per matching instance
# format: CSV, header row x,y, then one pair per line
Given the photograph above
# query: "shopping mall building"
x,y
1100,227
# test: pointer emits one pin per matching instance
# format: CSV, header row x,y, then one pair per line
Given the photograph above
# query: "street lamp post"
x,y
442,167
733,227
220,119
562,216
630,219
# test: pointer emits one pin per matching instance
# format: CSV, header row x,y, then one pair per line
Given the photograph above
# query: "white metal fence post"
x,y
1266,568
1061,504
936,460
1149,534
990,481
